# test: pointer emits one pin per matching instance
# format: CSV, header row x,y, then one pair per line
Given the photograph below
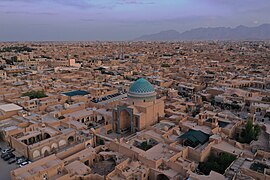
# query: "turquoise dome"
x,y
141,86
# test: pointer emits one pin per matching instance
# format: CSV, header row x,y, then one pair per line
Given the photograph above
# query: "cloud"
x,y
31,13
88,20
81,4
123,2
240,4
255,22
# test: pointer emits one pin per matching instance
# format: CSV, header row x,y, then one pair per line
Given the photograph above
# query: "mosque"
x,y
141,110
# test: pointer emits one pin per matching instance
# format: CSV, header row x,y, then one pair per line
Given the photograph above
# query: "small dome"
x,y
141,86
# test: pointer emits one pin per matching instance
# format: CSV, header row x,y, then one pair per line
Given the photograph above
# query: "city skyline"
x,y
70,20
135,89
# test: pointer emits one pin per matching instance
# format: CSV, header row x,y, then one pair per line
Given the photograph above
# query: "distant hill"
x,y
261,32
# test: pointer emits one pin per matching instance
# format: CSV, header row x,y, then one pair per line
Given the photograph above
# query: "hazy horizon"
x,y
118,20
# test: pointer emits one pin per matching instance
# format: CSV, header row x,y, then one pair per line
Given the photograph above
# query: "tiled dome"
x,y
141,86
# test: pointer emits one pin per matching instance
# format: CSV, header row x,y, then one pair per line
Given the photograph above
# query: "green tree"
x,y
257,130
216,163
101,142
213,102
35,94
250,133
196,111
165,65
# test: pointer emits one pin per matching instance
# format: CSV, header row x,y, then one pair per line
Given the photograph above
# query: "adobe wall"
x,y
263,154
68,152
179,168
70,110
200,156
89,177
19,146
149,162
255,174
8,114
38,150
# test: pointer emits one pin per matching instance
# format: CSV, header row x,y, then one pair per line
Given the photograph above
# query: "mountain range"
x,y
261,32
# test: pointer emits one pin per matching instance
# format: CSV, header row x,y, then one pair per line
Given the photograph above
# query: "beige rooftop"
x,y
10,107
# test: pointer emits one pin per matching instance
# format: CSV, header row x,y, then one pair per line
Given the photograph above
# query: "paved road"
x,y
5,168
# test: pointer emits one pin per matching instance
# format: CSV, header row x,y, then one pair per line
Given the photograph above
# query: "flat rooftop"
x,y
195,126
76,93
10,107
159,151
77,167
226,147
80,113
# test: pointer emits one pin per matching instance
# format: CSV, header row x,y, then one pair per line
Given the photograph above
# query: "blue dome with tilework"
x,y
141,91
141,86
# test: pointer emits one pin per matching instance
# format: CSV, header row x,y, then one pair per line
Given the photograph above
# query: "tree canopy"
x,y
165,65
216,163
250,133
35,94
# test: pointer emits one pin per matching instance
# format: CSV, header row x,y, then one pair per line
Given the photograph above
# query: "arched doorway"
x,y
36,154
125,120
162,177
53,147
46,153
31,140
62,143
70,139
45,150
47,136
25,141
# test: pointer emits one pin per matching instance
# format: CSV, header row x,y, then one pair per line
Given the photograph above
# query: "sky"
x,y
84,20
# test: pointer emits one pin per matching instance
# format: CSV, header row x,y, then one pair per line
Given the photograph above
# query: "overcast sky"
x,y
27,20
